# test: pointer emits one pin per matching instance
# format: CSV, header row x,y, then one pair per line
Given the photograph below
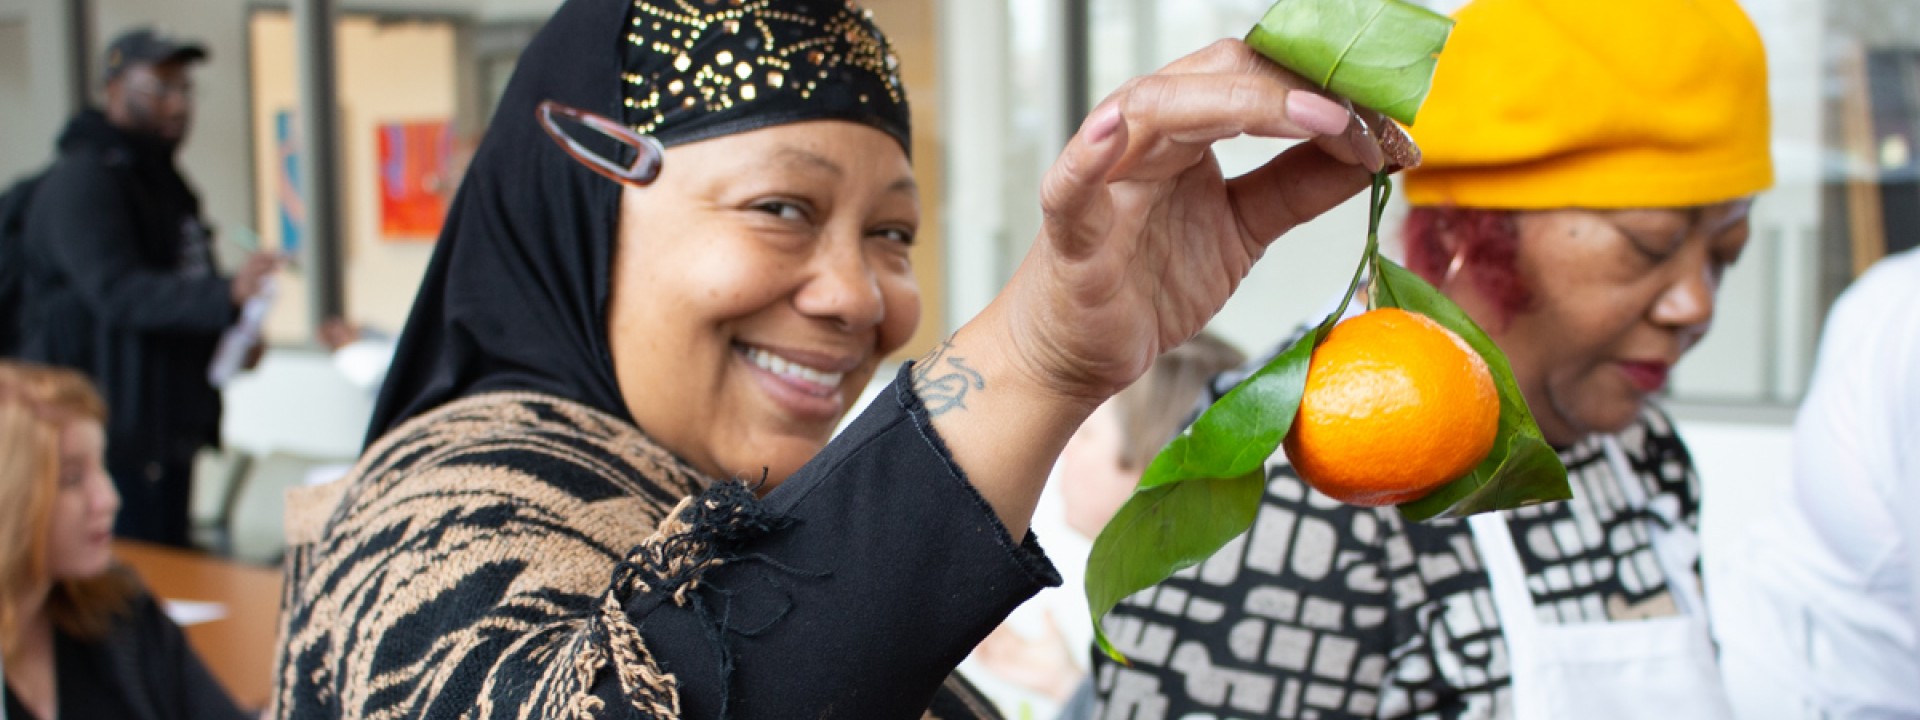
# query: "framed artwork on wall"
x,y
292,209
416,160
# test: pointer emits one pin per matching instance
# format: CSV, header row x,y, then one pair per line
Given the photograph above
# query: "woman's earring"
x,y
1453,268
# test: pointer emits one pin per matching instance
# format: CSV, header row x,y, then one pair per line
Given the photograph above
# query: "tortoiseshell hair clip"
x,y
648,152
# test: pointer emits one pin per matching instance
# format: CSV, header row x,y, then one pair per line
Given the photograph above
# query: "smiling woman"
x,y
599,482
774,265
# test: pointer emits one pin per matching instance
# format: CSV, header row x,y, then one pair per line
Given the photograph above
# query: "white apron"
x,y
1654,668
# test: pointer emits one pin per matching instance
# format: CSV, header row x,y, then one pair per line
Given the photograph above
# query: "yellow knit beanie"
x,y
1611,104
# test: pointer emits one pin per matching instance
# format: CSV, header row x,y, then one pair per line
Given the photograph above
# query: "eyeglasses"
x,y
648,152
183,91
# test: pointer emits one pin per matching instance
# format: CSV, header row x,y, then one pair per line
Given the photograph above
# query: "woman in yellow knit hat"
x,y
1588,172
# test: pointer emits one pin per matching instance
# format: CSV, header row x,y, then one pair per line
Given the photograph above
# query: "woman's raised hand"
x,y
1144,240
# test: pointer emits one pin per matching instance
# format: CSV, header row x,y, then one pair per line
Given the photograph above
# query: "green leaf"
x,y
1240,437
1187,522
1527,473
1201,490
1379,53
1521,469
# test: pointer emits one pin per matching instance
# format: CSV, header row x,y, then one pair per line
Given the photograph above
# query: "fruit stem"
x,y
1377,205
1383,190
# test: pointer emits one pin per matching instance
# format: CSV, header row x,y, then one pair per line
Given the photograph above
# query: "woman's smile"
x,y
805,384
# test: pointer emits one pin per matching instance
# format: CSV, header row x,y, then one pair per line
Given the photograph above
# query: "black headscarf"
x,y
515,297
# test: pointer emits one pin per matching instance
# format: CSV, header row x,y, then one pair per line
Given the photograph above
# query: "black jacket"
x,y
121,285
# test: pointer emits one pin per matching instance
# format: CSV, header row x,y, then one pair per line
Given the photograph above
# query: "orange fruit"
x,y
1396,406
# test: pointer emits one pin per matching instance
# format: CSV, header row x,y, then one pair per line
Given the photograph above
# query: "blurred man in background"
x,y
121,282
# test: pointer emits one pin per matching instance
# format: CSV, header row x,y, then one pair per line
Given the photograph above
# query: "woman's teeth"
x,y
781,366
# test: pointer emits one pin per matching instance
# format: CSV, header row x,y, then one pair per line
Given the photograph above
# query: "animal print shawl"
x,y
478,560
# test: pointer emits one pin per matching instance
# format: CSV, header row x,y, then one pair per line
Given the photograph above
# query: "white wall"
x,y
1733,458
16,80
34,83
507,10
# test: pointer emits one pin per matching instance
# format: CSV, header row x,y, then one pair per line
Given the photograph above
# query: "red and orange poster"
x,y
416,178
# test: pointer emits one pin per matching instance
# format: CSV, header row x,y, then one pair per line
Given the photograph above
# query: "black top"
x,y
121,285
142,670
916,570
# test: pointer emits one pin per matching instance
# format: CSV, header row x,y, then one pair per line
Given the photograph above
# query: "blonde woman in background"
x,y
1038,651
80,638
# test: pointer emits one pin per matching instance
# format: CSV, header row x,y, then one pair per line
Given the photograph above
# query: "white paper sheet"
x,y
238,340
193,612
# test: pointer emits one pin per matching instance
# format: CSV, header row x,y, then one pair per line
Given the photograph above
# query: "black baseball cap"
x,y
145,45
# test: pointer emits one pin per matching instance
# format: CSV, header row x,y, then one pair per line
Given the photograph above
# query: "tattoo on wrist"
x,y
943,380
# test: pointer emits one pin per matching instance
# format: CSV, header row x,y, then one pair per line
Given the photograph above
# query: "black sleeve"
x,y
85,231
181,687
892,569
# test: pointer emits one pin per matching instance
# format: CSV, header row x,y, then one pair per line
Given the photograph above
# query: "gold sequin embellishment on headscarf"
x,y
707,69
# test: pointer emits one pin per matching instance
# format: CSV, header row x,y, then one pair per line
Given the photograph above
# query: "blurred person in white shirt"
x,y
1818,609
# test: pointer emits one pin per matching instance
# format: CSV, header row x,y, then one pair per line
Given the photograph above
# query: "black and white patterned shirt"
x,y
1326,610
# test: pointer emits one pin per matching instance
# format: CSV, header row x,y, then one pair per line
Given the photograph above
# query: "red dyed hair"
x,y
1487,242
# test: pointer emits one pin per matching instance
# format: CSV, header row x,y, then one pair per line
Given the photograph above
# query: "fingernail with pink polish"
x,y
1102,123
1316,113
